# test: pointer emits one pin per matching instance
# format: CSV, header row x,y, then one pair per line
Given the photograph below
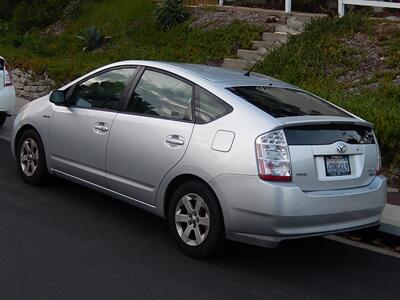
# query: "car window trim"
x,y
197,100
135,83
72,89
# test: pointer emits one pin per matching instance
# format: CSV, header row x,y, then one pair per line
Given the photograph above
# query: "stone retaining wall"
x,y
30,86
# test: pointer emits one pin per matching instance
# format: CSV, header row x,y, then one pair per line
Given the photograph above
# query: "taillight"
x,y
7,76
273,157
379,158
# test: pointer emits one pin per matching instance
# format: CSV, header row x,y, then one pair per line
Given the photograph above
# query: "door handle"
x,y
175,140
100,128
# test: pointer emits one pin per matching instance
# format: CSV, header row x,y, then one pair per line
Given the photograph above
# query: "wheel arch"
x,y
20,132
179,180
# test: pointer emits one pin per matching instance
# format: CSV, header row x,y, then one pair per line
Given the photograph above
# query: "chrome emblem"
x,y
341,147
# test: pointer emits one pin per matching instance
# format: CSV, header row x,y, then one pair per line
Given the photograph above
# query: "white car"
x,y
7,92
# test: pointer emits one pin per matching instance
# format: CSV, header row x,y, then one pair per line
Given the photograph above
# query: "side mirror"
x,y
58,97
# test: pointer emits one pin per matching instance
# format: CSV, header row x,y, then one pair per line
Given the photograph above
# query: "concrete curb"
x,y
342,240
390,222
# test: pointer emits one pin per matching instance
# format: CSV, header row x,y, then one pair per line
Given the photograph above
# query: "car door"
x,y
150,136
80,129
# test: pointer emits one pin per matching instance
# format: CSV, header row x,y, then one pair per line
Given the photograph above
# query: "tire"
x,y
191,233
3,118
31,159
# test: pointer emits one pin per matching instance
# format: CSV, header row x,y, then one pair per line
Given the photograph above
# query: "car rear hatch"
x,y
330,153
2,62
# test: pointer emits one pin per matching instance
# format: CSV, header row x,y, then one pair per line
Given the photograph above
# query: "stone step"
x,y
287,29
233,63
272,37
251,55
260,44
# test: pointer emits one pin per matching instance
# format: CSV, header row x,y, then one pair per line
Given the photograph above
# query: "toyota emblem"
x,y
341,147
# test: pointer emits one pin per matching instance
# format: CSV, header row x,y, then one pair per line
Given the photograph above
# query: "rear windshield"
x,y
283,102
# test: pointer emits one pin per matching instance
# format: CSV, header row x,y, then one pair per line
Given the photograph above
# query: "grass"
x,y
315,59
134,36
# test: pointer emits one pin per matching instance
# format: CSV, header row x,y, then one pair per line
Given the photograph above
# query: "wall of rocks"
x,y
31,86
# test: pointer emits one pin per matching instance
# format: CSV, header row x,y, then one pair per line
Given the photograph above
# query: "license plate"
x,y
337,165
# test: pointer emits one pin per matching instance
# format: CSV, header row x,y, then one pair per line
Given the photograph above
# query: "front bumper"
x,y
267,212
7,100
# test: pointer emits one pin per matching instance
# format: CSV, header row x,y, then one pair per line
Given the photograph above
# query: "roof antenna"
x,y
260,59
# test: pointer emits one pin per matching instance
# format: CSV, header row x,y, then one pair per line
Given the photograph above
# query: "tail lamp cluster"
x,y
7,76
273,157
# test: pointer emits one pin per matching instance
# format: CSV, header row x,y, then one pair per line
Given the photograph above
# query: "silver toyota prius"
x,y
216,152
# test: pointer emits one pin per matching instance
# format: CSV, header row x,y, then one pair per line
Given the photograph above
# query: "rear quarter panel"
x,y
201,160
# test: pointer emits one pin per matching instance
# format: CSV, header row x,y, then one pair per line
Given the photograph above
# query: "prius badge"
x,y
341,147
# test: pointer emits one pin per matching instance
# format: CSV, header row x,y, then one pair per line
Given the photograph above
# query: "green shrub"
x,y
29,14
4,28
5,9
170,13
73,10
38,43
92,38
9,36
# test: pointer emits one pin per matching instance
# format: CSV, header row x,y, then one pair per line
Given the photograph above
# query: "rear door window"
x,y
284,102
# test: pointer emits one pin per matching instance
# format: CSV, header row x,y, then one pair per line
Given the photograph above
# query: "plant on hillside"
x,y
170,13
92,38
72,10
36,13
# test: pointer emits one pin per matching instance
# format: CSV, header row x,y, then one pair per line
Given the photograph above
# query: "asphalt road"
x,y
63,241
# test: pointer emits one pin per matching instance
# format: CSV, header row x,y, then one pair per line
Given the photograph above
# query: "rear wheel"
x,y
3,117
31,158
195,219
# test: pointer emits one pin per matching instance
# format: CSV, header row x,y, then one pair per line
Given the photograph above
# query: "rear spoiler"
x,y
322,120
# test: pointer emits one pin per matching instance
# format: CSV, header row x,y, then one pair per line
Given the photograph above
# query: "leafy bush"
x,y
29,14
9,36
5,9
170,13
92,38
73,10
4,28
38,43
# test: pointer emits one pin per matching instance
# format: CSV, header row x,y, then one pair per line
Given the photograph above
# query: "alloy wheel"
x,y
192,219
29,157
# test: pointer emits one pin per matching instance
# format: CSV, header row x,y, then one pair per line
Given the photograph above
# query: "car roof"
x,y
217,75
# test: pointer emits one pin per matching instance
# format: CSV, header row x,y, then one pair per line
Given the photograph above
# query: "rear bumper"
x,y
258,210
7,100
274,241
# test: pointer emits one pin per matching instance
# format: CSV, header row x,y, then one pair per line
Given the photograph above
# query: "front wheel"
x,y
31,159
195,219
3,117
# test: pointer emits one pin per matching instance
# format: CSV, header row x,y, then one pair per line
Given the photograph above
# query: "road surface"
x,y
63,241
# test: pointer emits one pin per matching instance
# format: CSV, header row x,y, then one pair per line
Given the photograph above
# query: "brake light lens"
x,y
273,157
379,158
7,76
